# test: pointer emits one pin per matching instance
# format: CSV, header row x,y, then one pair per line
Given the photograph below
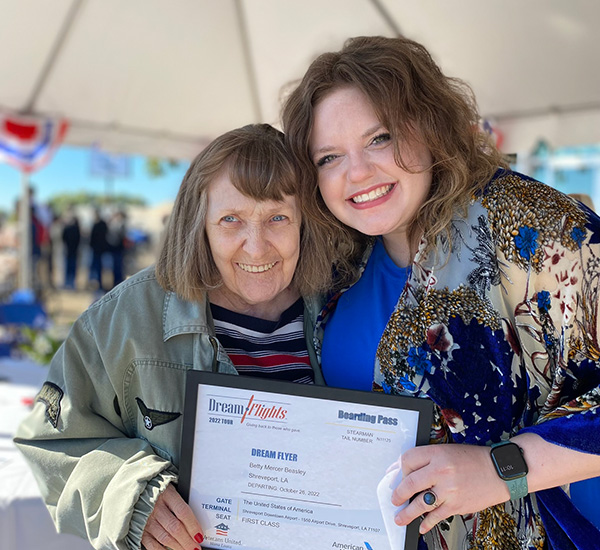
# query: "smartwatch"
x,y
508,459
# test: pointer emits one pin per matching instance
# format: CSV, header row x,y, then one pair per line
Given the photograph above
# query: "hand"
x,y
462,478
172,524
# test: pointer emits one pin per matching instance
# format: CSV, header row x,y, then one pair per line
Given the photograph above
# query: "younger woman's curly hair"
x,y
414,100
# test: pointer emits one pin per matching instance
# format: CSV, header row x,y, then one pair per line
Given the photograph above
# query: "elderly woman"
x,y
239,264
479,292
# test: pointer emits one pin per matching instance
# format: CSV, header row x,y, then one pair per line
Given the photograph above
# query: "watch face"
x,y
509,461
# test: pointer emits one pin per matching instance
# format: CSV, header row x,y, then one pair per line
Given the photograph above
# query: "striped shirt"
x,y
268,349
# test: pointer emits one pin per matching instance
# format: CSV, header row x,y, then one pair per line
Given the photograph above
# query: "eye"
x,y
381,138
326,160
279,218
229,219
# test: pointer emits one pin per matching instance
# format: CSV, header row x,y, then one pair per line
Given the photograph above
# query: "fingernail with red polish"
x,y
199,537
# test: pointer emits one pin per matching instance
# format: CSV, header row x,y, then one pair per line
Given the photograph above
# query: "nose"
x,y
359,167
255,242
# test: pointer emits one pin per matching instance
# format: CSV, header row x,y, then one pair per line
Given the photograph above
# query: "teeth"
x,y
372,195
256,268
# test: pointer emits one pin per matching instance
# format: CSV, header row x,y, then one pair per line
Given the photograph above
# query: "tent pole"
x,y
25,280
387,17
52,56
250,69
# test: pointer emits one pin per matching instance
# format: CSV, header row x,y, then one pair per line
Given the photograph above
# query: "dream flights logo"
x,y
253,410
256,410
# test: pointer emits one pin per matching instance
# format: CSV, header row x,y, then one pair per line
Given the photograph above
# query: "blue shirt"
x,y
355,327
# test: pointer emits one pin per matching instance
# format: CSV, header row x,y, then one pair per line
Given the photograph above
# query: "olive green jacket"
x,y
104,436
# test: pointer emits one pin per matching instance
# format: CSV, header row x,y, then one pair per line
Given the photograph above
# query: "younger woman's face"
x,y
358,177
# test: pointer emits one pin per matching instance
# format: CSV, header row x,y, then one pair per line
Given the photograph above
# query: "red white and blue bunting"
x,y
28,143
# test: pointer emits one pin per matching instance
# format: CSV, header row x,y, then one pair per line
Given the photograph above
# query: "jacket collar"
x,y
184,317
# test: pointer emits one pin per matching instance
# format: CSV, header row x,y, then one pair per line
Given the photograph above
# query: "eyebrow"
x,y
279,207
365,134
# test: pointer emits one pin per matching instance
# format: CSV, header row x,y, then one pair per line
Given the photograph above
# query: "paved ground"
x,y
64,306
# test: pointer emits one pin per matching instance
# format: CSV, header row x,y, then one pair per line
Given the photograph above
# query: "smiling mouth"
x,y
372,195
256,268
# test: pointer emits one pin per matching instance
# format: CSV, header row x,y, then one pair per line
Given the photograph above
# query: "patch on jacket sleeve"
x,y
51,395
153,417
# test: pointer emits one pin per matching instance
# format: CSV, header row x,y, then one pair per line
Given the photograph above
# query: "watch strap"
x,y
517,487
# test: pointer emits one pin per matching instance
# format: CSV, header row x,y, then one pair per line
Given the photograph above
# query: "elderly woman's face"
x,y
255,244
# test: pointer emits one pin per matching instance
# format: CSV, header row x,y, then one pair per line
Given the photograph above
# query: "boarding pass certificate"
x,y
273,466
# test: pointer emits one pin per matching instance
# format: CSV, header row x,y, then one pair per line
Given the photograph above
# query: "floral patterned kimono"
x,y
501,332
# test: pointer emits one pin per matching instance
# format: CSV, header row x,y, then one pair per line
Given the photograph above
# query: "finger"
x,y
171,529
416,458
411,484
432,519
182,510
150,543
155,537
423,503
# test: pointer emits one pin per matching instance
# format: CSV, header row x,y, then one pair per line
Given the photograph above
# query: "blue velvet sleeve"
x,y
580,431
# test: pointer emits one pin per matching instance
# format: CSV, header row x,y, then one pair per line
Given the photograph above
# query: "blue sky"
x,y
69,172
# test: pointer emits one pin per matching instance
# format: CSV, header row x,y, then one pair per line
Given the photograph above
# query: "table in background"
x,y
25,523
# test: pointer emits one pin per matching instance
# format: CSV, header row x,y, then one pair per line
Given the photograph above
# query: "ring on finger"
x,y
430,498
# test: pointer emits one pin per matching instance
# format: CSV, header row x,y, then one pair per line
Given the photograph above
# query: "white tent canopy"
x,y
164,77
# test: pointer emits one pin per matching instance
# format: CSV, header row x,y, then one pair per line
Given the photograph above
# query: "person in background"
x,y
48,246
43,215
242,257
116,237
37,240
99,247
479,291
55,244
71,238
